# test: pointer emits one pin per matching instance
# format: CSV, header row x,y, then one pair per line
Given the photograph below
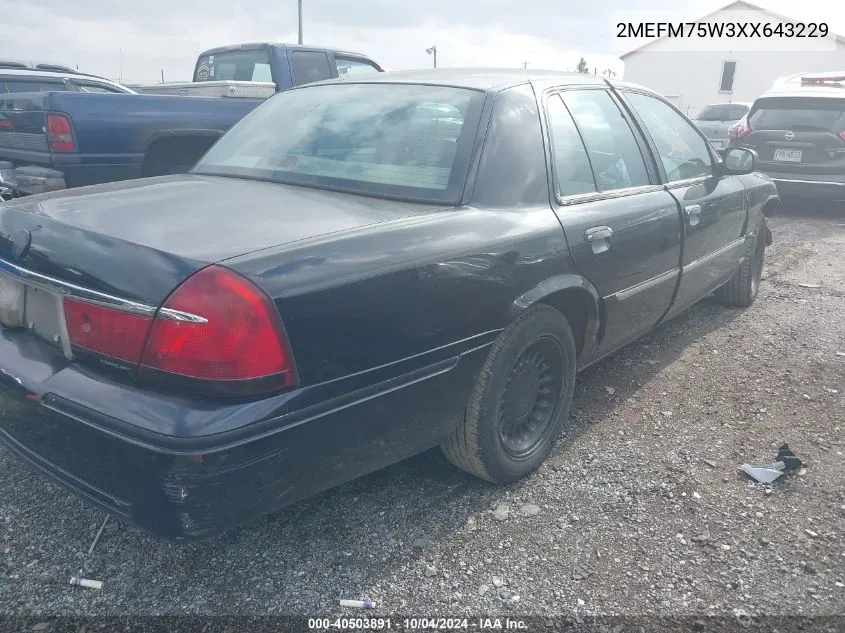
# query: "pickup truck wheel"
x,y
743,287
520,400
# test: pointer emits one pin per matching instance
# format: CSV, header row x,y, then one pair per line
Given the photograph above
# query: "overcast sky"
x,y
139,38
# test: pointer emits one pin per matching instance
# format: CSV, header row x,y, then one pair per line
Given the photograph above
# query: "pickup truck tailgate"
x,y
23,126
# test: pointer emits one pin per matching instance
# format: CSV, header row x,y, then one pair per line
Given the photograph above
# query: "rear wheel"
x,y
520,401
743,287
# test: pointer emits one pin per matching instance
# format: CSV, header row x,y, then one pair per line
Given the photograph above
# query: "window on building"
x,y
728,72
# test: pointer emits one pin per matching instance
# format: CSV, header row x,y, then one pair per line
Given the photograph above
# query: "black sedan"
x,y
356,272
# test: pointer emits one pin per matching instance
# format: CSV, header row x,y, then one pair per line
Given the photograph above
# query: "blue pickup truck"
x,y
54,140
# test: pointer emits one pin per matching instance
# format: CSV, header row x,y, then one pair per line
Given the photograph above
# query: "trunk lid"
x,y
802,135
139,239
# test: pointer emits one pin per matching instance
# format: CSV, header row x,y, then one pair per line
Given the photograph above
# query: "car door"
x,y
622,226
714,206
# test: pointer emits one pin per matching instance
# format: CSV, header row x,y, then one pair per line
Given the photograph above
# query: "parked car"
x,y
715,120
60,139
19,77
317,300
798,130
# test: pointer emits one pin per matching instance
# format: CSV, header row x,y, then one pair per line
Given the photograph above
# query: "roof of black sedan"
x,y
478,78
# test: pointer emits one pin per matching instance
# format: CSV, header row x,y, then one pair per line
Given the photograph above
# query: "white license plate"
x,y
788,155
719,144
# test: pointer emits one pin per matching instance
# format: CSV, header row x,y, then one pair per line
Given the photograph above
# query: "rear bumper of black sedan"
x,y
190,490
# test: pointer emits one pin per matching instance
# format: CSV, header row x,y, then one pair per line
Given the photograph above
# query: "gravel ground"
x,y
640,510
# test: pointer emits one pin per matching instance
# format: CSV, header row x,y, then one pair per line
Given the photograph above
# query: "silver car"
x,y
715,120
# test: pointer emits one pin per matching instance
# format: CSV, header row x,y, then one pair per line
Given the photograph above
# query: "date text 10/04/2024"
x,y
415,624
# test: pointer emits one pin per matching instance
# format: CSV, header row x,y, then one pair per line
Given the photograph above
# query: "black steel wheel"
x,y
521,399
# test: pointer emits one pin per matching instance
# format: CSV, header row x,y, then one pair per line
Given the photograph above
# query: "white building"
x,y
694,73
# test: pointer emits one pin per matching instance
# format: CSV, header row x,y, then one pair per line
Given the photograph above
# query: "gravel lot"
x,y
640,510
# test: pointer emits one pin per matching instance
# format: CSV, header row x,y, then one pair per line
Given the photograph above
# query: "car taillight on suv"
x,y
739,130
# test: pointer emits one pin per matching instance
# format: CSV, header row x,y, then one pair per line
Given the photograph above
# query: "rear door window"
x,y
572,166
309,66
612,147
799,114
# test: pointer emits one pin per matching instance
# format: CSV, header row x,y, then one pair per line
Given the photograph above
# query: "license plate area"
x,y
40,311
788,155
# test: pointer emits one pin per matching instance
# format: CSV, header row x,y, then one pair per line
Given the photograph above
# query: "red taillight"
x,y
238,335
842,135
60,133
5,124
106,331
736,132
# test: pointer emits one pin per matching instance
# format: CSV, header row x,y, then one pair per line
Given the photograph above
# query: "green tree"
x,y
582,67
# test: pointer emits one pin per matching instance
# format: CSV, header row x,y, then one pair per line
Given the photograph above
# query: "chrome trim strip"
x,y
645,285
92,296
688,182
76,292
740,242
178,315
592,196
809,182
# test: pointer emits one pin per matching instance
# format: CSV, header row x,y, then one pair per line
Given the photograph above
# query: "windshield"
x,y
391,140
241,65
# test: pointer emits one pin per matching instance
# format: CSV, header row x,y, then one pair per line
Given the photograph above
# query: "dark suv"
x,y
798,130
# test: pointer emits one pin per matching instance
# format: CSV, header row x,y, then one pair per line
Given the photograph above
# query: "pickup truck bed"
x,y
158,134
54,140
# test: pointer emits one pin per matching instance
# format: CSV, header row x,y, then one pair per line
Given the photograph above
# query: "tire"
x,y
743,287
536,351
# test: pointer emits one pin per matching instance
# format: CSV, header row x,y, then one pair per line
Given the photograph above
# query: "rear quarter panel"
x,y
407,288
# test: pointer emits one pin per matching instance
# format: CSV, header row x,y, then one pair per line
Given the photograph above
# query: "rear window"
x,y
799,114
711,113
723,112
243,65
390,140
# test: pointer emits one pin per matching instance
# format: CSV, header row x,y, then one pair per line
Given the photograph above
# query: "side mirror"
x,y
739,160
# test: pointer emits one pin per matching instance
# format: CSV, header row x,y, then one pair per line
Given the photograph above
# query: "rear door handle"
x,y
598,233
693,212
599,238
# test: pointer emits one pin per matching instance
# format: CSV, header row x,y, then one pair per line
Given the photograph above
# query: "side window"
x,y
348,67
309,66
614,154
683,152
572,167
513,160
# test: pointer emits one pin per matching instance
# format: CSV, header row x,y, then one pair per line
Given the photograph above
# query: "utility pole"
x,y
120,79
299,3
162,75
525,65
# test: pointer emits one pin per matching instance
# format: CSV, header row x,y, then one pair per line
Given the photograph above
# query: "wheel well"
x,y
771,207
577,306
174,152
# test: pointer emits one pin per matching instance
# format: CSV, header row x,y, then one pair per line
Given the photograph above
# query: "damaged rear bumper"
x,y
97,436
